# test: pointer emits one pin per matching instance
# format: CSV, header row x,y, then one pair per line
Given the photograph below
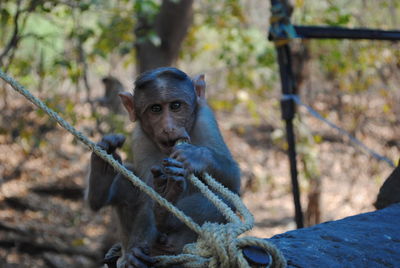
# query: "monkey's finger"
x,y
142,256
135,262
172,162
181,147
114,140
108,147
177,183
117,157
175,152
156,171
175,171
160,181
178,156
120,139
104,145
188,166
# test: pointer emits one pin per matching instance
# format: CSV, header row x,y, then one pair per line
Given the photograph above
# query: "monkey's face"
x,y
168,115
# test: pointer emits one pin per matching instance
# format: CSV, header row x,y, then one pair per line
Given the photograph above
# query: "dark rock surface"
x,y
390,190
365,240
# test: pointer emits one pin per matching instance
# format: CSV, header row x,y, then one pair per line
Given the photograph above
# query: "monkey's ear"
x,y
200,86
127,101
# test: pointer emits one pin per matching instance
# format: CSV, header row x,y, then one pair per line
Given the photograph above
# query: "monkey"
x,y
110,99
167,106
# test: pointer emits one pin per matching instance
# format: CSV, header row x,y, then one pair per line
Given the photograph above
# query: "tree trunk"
x,y
170,25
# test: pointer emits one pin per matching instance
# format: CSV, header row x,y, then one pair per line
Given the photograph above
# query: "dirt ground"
x,y
45,223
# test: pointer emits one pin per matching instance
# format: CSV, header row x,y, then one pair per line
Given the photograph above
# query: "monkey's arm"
x,y
209,152
198,159
101,174
224,169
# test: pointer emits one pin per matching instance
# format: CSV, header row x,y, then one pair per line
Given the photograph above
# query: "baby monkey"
x,y
167,106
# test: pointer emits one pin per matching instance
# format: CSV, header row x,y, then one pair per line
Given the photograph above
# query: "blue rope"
x,y
353,139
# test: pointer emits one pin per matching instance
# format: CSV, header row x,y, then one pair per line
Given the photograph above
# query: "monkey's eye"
x,y
156,108
174,106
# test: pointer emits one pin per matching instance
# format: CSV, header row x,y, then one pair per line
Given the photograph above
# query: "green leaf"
x,y
5,15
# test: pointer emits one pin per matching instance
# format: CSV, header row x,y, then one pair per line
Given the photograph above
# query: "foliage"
x,y
57,46
356,61
237,51
349,70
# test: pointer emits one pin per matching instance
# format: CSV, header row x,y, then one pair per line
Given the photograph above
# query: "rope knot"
x,y
219,246
217,243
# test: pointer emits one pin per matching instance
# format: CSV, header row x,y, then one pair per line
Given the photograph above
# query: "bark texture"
x,y
171,25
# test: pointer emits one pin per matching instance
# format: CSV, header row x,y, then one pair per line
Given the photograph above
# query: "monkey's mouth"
x,y
168,143
166,146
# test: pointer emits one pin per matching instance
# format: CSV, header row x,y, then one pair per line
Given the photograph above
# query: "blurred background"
x,y
77,55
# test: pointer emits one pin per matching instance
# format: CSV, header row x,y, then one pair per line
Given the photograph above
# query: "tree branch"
x,y
13,42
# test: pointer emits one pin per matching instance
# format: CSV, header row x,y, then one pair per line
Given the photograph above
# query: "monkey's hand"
x,y
109,143
136,257
101,174
112,255
195,159
169,179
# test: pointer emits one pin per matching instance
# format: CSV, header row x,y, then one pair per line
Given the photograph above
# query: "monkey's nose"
x,y
169,129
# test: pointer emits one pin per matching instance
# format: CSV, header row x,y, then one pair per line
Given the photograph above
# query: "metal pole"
x,y
288,112
280,32
327,32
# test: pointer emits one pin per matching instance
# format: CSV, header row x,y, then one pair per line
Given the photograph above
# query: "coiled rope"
x,y
218,245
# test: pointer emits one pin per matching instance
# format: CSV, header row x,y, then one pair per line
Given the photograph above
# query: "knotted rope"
x,y
218,245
